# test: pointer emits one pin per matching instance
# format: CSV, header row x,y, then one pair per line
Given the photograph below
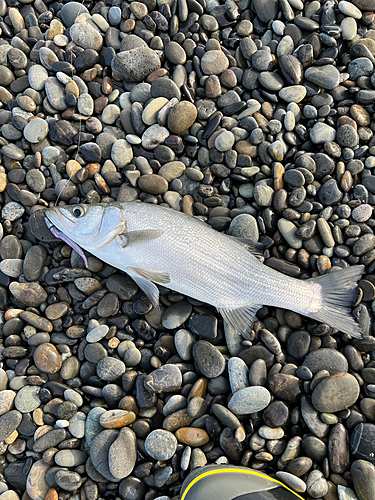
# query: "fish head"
x,y
90,226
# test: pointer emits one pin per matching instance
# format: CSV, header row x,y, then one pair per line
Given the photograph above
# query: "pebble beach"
x,y
256,116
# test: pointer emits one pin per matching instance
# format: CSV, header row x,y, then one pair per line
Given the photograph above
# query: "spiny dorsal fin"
x,y
253,247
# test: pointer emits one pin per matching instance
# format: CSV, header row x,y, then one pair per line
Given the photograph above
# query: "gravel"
x,y
256,117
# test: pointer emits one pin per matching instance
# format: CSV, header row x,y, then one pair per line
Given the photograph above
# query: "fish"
x,y
156,245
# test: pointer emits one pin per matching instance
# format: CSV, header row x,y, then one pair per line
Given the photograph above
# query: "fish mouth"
x,y
53,216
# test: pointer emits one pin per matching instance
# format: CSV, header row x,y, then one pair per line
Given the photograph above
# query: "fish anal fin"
x,y
251,246
157,276
148,288
130,238
240,318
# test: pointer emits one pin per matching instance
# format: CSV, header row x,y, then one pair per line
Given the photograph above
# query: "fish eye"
x,y
78,211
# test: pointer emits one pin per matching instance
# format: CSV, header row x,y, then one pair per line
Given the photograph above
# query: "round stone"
x,y
36,130
326,359
175,53
37,76
69,12
335,393
135,65
150,113
87,37
249,400
327,76
321,133
97,333
210,361
122,454
214,62
347,136
110,369
47,358
153,184
121,153
27,399
181,117
244,226
296,93
175,315
224,141
161,444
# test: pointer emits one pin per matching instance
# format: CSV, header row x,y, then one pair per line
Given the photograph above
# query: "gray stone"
x,y
335,393
210,361
71,11
123,454
238,374
167,378
161,444
327,76
175,315
249,400
321,133
136,64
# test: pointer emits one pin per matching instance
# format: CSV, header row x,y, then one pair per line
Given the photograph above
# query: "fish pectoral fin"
x,y
148,288
253,247
157,276
132,238
240,318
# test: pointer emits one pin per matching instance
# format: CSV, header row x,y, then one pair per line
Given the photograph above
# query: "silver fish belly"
x,y
159,245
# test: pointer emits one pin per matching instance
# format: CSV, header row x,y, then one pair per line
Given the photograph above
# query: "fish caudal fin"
x,y
339,293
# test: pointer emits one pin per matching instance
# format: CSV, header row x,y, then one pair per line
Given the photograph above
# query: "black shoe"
x,y
229,482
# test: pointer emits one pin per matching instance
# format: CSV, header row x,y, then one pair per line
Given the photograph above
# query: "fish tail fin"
x,y
338,294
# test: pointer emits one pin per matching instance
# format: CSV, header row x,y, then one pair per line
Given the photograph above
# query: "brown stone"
x,y
180,418
30,294
158,73
359,114
114,419
47,358
87,285
338,449
6,401
285,386
346,120
181,117
56,311
192,436
52,495
36,484
199,388
245,147
153,184
40,323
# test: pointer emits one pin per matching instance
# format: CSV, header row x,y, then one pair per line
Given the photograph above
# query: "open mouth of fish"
x,y
58,234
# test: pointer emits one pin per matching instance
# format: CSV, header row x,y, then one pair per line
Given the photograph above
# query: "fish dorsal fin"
x,y
240,318
157,276
253,247
131,238
148,288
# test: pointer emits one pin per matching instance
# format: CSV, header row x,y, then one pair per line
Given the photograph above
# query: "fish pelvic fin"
x,y
147,287
338,294
240,318
158,277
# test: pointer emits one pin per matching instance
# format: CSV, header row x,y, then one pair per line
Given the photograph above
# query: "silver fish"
x,y
154,244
